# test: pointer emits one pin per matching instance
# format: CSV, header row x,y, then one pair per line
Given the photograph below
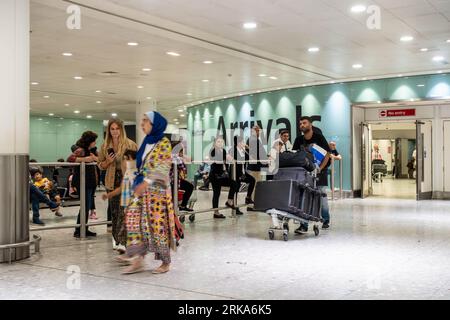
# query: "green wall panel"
x,y
51,138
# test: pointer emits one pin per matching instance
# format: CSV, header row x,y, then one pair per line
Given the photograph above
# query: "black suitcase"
x,y
283,195
300,175
299,159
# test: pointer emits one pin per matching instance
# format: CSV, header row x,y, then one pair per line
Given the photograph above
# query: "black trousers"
x,y
188,189
217,188
251,184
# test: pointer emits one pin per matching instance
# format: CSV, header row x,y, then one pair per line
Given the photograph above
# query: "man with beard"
x,y
309,138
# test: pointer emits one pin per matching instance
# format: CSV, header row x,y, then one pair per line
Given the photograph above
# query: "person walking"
x,y
110,159
150,217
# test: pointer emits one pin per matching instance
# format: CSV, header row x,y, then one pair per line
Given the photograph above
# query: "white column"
x,y
141,108
14,76
14,131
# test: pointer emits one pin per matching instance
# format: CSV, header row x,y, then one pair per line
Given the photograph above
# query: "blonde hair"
x,y
122,138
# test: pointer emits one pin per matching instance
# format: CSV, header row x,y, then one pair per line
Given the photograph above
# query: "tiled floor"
x,y
395,188
376,249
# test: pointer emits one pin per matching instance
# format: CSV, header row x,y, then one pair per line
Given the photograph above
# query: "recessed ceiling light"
x,y
208,62
46,97
406,38
173,54
61,118
240,94
98,91
332,82
182,115
51,114
357,66
421,85
189,94
149,98
89,116
175,120
273,78
262,75
78,78
180,110
314,49
67,105
146,69
35,83
358,8
140,87
205,80
76,111
378,102
133,44
448,41
424,49
177,123
440,71
250,25
98,102
40,119
67,54
399,75
364,78
438,58
114,115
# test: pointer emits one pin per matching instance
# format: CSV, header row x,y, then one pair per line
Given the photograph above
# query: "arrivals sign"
x,y
397,113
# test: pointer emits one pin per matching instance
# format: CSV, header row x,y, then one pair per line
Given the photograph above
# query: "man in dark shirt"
x,y
309,138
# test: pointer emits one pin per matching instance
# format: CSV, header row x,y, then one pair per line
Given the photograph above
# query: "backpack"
x,y
302,159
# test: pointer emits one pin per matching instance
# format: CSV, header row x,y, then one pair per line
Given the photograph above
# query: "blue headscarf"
x,y
159,124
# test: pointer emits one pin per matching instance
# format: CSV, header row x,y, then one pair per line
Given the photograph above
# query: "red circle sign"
x,y
383,113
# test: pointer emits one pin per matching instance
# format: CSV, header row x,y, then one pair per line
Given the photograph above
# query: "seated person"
x,y
47,187
203,173
183,184
36,197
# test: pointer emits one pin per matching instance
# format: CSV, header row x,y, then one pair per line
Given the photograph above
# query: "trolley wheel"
x,y
285,236
271,235
192,218
182,219
286,226
316,230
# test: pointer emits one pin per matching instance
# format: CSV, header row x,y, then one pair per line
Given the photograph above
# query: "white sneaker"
x,y
115,246
121,248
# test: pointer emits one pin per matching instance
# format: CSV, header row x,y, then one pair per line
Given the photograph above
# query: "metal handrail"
x,y
36,242
341,181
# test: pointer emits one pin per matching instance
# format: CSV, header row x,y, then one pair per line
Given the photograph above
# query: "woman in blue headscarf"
x,y
150,216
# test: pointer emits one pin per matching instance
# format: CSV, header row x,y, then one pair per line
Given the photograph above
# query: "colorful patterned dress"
x,y
150,219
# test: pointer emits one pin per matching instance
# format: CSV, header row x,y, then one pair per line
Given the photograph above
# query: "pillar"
x,y
141,108
14,131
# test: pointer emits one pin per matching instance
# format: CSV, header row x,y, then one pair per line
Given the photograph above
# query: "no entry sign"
x,y
397,113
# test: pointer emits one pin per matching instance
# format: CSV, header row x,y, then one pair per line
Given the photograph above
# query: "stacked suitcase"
x,y
293,195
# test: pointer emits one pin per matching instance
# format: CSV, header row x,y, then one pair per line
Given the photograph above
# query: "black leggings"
x,y
188,188
217,187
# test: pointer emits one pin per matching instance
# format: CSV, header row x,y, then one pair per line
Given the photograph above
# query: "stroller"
x,y
293,195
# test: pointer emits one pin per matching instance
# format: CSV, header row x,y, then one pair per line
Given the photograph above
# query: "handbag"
x,y
224,175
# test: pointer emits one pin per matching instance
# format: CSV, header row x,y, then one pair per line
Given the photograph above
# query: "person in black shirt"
x,y
309,138
256,152
219,176
240,154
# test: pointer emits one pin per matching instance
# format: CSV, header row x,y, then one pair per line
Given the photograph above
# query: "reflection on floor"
x,y
376,249
395,188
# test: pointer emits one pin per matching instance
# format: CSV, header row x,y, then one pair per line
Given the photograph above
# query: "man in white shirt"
x,y
284,139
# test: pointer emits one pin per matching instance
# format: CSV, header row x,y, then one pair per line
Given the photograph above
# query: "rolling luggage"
x,y
179,232
302,159
280,194
299,175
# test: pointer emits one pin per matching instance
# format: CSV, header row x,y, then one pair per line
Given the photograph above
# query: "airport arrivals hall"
x,y
225,150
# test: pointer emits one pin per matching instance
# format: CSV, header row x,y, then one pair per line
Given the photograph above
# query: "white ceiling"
x,y
211,30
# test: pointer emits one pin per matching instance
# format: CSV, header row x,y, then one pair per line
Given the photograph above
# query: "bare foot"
x,y
137,265
164,268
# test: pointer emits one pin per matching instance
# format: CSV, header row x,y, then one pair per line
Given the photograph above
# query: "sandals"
x,y
160,270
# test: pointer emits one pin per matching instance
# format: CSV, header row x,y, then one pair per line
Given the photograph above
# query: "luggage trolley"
x,y
293,195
